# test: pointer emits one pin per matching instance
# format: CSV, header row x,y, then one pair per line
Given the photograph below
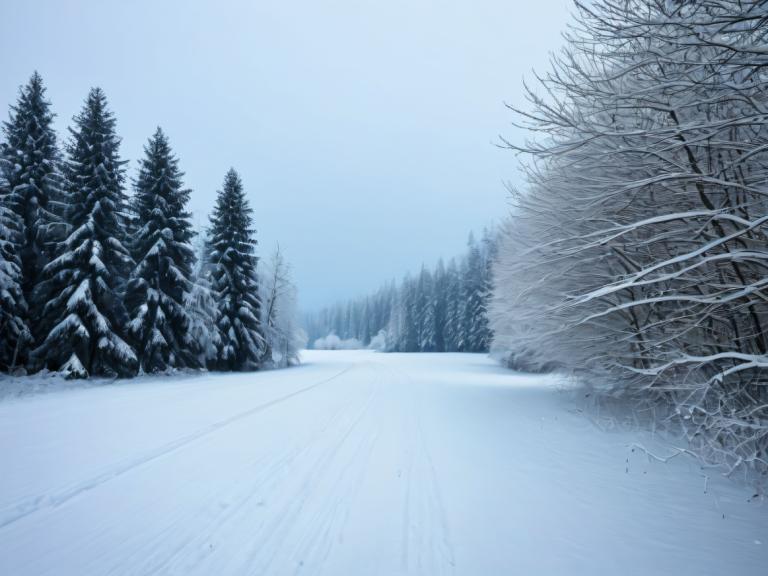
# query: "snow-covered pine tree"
x,y
454,308
410,336
348,330
162,278
482,330
475,293
425,312
203,312
84,317
31,168
14,332
365,322
233,279
440,300
396,323
385,301
463,306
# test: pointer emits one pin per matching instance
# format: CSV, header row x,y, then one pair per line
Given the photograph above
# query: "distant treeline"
x,y
439,310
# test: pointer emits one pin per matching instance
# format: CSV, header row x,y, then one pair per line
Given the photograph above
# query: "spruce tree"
x,y
396,323
33,177
476,293
483,332
365,322
476,333
14,331
425,312
202,307
410,335
440,299
162,278
85,316
454,307
234,280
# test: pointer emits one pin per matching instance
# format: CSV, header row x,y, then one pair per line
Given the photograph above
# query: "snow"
x,y
354,463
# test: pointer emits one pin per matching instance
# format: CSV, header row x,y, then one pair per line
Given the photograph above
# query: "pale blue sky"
x,y
363,130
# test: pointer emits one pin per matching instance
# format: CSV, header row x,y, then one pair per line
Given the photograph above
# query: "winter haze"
x,y
396,288
355,125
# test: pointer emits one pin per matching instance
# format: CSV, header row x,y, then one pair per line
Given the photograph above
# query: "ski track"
x,y
17,511
362,463
425,524
228,505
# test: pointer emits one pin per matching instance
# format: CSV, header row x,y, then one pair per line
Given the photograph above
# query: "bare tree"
x,y
638,256
283,337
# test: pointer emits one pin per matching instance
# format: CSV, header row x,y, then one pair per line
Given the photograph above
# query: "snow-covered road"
x,y
354,464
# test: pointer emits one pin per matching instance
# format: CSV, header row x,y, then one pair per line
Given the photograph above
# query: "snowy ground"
x,y
355,463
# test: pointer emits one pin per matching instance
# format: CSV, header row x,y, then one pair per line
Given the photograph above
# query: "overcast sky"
x,y
364,131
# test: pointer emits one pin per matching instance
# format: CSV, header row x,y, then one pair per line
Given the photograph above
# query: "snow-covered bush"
x,y
379,342
333,342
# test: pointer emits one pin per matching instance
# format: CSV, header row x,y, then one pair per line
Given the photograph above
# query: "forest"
x,y
439,310
634,258
97,281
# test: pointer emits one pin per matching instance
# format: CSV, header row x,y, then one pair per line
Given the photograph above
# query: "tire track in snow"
x,y
20,510
441,544
276,532
327,525
425,522
225,511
